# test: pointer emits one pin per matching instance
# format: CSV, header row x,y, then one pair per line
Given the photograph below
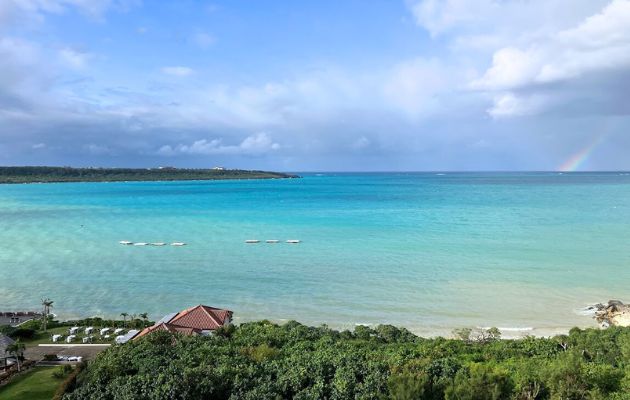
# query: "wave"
x,y
510,328
589,310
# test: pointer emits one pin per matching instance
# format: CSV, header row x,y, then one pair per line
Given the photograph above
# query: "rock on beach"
x,y
613,313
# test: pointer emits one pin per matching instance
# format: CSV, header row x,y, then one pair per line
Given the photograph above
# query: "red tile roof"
x,y
192,321
202,317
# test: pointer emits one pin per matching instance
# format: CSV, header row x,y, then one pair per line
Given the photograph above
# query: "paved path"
x,y
87,352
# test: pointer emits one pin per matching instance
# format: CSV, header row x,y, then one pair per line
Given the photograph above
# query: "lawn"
x,y
37,384
46,337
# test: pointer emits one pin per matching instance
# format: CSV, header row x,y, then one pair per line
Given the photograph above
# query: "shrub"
x,y
480,382
62,371
69,384
23,333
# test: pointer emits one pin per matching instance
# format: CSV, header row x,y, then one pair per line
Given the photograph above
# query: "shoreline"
x,y
152,180
44,174
426,332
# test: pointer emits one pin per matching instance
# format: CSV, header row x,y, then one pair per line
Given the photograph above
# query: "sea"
x,y
432,252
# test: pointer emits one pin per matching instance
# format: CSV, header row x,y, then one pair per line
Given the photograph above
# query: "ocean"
x,y
525,252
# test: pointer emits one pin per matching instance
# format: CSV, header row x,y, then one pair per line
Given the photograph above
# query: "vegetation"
x,y
47,305
69,383
36,384
262,360
67,174
18,332
17,350
31,332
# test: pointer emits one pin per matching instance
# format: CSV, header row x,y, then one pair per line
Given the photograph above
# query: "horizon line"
x,y
332,171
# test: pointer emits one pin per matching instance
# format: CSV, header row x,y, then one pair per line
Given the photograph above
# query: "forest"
x,y
68,174
263,360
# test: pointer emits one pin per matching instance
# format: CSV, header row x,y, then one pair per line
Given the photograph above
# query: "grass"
x,y
45,337
36,384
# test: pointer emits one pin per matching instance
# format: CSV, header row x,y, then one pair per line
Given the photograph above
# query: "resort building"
x,y
15,318
198,320
5,342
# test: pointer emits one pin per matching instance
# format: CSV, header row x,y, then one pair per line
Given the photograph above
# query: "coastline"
x,y
152,180
43,174
416,251
427,332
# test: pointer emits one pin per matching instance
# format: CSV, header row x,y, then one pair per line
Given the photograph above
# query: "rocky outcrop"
x,y
613,313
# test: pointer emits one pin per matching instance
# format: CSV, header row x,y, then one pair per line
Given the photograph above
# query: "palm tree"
x,y
17,349
47,304
124,315
145,318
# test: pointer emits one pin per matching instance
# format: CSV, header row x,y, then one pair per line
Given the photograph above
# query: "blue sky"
x,y
321,85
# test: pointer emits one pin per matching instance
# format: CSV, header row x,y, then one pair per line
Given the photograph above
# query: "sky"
x,y
327,85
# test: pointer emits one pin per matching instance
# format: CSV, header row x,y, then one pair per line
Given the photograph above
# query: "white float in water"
x,y
293,241
252,241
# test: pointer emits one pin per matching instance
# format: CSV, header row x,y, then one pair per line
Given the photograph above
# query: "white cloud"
x,y
19,12
601,42
204,40
257,144
591,49
177,71
510,18
510,105
73,58
511,67
413,85
439,16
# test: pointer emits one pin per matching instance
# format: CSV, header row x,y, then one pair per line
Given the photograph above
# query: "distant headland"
x,y
69,174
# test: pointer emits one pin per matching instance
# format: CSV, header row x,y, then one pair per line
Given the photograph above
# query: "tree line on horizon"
x,y
69,174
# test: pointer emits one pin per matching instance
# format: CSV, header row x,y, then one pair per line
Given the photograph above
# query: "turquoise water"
x,y
427,251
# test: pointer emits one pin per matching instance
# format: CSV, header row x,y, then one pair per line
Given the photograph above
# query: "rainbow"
x,y
576,160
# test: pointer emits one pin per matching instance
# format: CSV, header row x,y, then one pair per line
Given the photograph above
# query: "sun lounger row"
x,y
73,331
128,243
291,241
